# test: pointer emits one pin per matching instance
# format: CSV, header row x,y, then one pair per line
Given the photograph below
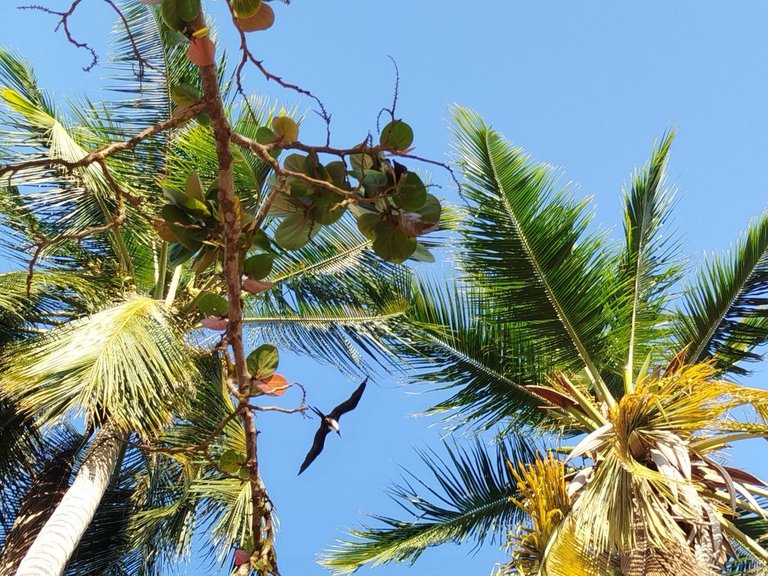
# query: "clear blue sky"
x,y
587,86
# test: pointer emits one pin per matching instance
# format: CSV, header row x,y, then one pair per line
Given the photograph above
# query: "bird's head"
x,y
334,425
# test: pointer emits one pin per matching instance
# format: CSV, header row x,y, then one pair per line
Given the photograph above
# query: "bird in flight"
x,y
330,422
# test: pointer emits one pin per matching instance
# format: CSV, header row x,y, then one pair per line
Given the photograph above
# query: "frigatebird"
x,y
330,422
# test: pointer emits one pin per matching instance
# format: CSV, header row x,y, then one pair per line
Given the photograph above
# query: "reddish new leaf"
x,y
201,51
215,323
275,385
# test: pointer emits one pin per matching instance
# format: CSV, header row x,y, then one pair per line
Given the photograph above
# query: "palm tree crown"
x,y
558,334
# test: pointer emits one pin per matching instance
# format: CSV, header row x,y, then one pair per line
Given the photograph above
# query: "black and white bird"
x,y
330,422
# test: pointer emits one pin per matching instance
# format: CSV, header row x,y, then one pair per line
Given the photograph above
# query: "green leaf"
x,y
262,241
373,181
391,243
230,461
188,9
263,361
361,162
194,187
337,170
211,304
191,238
366,223
412,194
397,135
299,188
169,10
185,94
329,213
295,231
172,213
265,136
258,266
295,163
285,128
430,211
246,8
422,254
190,205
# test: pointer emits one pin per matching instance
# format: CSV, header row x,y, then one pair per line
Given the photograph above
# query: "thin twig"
x,y
247,56
64,23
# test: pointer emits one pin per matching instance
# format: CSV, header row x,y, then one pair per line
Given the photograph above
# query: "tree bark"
x,y
57,540
39,503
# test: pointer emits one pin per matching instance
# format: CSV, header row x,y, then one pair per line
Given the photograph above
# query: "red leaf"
x,y
275,385
242,557
200,51
262,20
215,323
256,286
552,396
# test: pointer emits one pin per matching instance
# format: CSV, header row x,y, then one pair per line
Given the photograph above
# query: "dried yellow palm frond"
x,y
683,402
551,544
568,555
544,497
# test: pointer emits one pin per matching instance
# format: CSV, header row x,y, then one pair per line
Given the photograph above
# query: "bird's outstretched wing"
x,y
350,403
317,446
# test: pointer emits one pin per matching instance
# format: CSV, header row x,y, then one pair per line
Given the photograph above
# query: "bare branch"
x,y
183,116
247,56
64,23
394,97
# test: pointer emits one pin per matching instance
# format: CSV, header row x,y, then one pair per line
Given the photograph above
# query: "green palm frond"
x,y
472,501
19,224
724,315
647,265
226,512
527,250
210,405
32,129
339,252
334,297
144,94
343,335
167,506
21,448
162,527
53,295
127,362
256,112
447,341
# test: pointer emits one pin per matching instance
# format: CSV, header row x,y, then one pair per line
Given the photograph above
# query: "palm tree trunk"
x,y
57,540
39,502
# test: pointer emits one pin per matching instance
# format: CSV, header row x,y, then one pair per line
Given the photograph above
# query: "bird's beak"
x,y
339,433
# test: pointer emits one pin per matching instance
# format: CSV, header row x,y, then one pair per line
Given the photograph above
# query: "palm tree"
x,y
105,369
560,336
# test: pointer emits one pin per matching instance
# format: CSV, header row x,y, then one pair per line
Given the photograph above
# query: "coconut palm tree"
x,y
618,368
106,369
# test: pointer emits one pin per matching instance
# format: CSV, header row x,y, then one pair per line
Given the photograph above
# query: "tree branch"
x,y
183,116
